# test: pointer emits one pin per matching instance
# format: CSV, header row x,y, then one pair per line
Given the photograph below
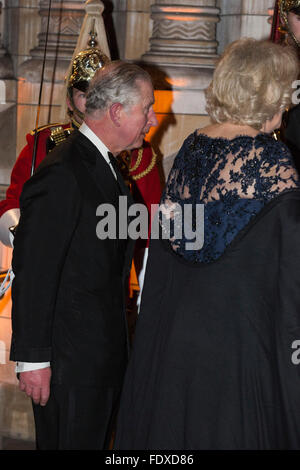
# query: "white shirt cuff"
x,y
27,366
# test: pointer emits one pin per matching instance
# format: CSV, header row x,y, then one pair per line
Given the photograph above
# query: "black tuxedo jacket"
x,y
69,287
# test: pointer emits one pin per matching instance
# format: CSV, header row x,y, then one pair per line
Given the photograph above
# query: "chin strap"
x,y
72,115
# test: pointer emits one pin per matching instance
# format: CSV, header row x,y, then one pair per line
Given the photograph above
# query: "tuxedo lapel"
x,y
98,168
101,172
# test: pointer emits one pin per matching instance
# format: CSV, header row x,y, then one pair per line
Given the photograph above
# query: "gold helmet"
x,y
86,64
84,67
285,6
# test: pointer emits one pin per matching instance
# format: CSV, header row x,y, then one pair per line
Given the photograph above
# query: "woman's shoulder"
x,y
272,145
186,148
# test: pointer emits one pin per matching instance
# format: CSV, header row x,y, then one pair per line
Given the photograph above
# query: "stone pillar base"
x,y
183,34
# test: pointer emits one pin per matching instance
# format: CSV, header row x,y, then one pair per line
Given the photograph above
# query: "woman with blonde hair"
x,y
215,357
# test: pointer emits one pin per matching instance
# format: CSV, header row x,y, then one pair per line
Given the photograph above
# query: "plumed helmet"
x,y
83,68
85,65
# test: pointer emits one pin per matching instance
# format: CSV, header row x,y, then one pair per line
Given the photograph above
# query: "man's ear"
x,y
115,112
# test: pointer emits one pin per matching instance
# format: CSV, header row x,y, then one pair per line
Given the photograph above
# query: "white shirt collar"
x,y
85,130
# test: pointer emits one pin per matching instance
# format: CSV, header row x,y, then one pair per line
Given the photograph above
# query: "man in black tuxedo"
x,y
68,313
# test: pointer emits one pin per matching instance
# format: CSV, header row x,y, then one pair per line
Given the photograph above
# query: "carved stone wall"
x,y
181,57
243,18
183,33
7,100
64,25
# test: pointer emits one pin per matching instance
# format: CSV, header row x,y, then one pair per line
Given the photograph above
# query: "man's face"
x,y
79,100
138,119
294,24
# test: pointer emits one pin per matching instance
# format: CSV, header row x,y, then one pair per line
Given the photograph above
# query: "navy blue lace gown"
x,y
212,365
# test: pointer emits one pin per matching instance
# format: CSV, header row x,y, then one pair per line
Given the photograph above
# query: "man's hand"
x,y
36,384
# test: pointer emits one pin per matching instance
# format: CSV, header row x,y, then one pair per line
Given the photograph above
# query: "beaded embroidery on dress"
x,y
233,178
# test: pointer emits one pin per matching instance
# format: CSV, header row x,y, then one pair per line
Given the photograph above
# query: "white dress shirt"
x,y
85,130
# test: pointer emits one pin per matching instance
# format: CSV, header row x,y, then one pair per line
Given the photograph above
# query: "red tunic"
x,y
146,184
146,189
22,168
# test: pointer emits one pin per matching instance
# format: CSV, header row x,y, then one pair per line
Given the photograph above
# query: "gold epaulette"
x,y
58,134
47,126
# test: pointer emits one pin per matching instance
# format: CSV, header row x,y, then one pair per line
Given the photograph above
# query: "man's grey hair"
x,y
117,82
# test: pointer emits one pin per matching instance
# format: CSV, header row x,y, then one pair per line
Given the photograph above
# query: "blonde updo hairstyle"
x,y
252,82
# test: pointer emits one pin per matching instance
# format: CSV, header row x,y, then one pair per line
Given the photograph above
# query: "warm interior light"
x,y
177,82
163,101
182,18
182,9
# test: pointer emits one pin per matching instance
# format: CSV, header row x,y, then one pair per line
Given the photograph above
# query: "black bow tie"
x,y
115,168
120,181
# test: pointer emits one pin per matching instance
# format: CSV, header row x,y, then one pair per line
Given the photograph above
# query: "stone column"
x,y
64,25
7,103
6,68
181,59
243,18
184,34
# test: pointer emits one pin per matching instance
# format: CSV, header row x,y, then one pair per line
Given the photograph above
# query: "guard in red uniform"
x,y
84,66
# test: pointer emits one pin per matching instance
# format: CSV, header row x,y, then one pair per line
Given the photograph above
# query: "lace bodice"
x,y
233,179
